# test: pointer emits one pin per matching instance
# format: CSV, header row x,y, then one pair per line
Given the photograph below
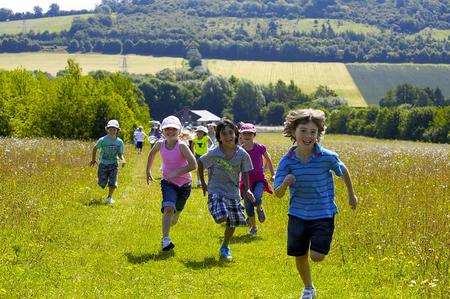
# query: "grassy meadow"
x,y
50,24
57,239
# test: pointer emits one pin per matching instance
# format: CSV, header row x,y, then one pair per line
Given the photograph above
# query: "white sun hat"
x,y
202,129
113,123
171,122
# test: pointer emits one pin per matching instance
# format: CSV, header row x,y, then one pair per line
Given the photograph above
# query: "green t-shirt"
x,y
201,145
110,149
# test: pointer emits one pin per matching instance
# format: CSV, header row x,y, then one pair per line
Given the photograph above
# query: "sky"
x,y
27,5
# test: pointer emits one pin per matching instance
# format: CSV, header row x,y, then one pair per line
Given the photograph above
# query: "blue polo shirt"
x,y
312,194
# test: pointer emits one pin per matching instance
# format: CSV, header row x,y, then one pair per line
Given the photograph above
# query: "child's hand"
x,y
353,201
204,188
149,178
250,196
93,162
289,179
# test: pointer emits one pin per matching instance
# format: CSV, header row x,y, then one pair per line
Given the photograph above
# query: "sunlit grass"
x,y
57,239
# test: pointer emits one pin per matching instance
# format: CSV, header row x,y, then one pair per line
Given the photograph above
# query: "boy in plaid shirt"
x,y
225,163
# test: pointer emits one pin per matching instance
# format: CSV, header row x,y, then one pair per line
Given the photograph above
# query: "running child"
x,y
225,163
200,145
307,170
111,148
258,183
139,137
177,162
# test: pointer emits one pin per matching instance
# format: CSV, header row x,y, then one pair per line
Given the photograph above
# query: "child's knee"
x,y
168,210
220,220
316,256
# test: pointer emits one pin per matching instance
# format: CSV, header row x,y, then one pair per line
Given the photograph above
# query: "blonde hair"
x,y
303,116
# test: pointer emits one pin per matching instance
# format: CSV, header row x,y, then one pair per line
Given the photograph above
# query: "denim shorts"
x,y
174,196
258,190
107,175
314,234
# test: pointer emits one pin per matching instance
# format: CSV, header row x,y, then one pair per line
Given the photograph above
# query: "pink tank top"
x,y
172,160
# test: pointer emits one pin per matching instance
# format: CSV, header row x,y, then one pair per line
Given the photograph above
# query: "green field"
x,y
285,25
57,239
51,24
307,75
442,34
374,80
359,83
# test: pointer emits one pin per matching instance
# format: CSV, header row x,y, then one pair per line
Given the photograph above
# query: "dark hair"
x,y
227,123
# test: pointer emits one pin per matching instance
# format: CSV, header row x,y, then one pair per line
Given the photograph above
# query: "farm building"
x,y
196,117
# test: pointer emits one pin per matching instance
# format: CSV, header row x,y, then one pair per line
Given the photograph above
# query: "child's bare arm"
x,y
281,190
151,157
352,199
247,192
201,176
269,164
94,156
192,163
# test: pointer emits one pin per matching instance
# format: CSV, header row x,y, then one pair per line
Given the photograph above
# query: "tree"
x,y
273,113
248,102
216,94
53,10
38,11
194,57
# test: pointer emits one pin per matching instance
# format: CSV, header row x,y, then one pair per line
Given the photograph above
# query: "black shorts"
x,y
139,144
309,234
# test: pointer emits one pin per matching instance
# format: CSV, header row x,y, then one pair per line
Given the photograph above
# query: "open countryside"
x,y
50,24
359,83
59,240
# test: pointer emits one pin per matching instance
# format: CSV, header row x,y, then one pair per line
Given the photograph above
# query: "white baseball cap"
x,y
202,129
171,122
113,123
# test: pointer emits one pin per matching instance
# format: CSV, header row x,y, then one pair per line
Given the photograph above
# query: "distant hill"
x,y
291,30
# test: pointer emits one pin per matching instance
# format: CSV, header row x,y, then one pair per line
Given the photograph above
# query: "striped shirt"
x,y
312,194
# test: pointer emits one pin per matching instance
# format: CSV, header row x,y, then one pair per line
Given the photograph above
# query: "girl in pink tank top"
x,y
177,163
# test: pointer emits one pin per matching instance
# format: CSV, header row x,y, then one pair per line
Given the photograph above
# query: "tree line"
x,y
54,10
72,105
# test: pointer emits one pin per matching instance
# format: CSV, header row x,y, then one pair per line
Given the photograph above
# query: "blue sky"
x,y
27,5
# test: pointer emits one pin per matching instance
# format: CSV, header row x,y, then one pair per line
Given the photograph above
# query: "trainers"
x,y
261,214
174,219
109,200
225,253
167,244
253,231
308,293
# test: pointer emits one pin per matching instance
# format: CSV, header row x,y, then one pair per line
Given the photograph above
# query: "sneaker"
x,y
167,244
253,231
308,293
261,214
109,200
225,253
174,219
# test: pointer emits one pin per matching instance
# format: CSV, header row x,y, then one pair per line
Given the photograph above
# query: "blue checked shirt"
x,y
312,194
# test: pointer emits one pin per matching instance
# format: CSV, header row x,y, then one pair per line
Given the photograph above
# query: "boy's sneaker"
x,y
109,200
261,214
253,231
167,244
308,293
225,253
174,219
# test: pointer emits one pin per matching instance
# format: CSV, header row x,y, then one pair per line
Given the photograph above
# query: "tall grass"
x,y
57,239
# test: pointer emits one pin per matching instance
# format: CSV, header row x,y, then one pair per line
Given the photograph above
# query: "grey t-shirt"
x,y
223,174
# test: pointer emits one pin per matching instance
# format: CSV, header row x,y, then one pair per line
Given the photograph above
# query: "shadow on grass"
x,y
147,257
207,263
94,202
243,239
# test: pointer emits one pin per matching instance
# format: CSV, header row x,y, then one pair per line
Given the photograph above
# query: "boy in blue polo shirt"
x,y
307,170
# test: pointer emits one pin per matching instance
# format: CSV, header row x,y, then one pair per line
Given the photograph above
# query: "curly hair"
x,y
303,116
222,125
